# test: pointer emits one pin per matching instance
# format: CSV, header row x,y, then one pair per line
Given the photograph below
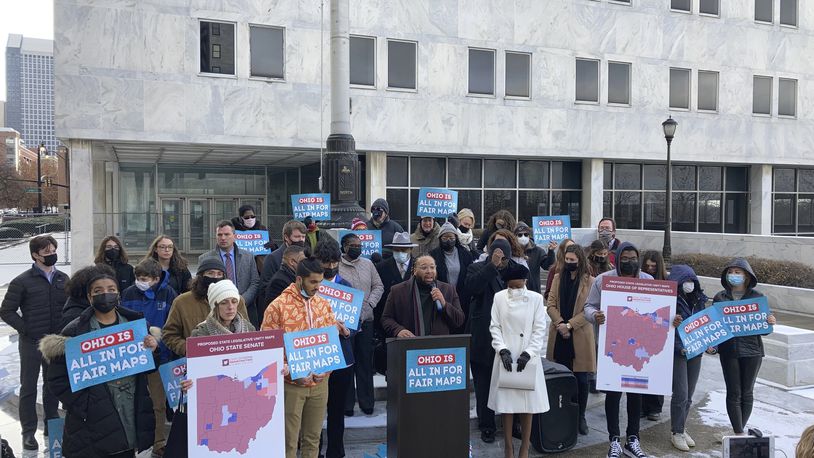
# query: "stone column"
x,y
593,176
81,163
760,199
376,177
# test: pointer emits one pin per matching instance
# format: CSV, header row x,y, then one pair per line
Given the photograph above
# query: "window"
x,y
788,12
587,80
363,61
681,5
762,95
482,71
401,64
763,10
518,74
267,49
680,88
787,97
217,49
707,90
619,83
710,7
793,196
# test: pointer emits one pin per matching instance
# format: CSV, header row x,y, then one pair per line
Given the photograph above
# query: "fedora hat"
x,y
402,240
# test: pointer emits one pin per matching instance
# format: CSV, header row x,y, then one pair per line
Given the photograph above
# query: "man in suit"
x,y
240,267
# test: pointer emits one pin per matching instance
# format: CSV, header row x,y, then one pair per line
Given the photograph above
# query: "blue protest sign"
x,y
172,373
746,317
314,351
108,354
436,202
55,429
317,206
252,241
437,369
371,241
551,228
346,302
703,330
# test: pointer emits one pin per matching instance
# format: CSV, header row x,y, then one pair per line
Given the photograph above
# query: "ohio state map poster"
x,y
636,342
235,406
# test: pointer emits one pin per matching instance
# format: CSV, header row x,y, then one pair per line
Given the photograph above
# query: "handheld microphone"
x,y
437,302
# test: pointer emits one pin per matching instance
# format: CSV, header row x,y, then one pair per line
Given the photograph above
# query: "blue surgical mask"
x,y
401,257
735,279
303,293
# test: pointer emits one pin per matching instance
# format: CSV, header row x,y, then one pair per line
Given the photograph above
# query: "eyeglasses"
x,y
165,247
522,235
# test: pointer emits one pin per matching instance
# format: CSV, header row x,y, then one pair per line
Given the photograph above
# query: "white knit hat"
x,y
221,290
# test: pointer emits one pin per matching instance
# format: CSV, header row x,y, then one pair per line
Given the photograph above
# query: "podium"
x,y
428,396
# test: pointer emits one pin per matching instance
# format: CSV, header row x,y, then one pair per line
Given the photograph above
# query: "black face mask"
x,y
599,259
330,273
49,260
463,229
104,302
377,214
571,266
112,254
447,245
354,252
627,267
205,282
300,243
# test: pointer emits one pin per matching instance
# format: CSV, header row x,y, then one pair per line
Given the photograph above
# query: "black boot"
x,y
583,405
29,443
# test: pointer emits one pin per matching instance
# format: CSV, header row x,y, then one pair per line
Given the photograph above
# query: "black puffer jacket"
x,y
124,273
73,308
746,346
39,301
179,280
92,424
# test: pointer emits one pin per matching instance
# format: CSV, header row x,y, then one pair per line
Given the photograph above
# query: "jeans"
x,y
685,376
30,363
739,376
337,390
634,409
362,368
652,403
482,378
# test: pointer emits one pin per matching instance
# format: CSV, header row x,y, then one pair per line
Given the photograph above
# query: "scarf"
x,y
423,308
215,328
465,238
564,348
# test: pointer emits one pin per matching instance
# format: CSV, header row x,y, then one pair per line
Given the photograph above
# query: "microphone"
x,y
437,302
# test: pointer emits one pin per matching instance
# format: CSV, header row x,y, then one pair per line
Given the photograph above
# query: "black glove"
x,y
506,357
522,361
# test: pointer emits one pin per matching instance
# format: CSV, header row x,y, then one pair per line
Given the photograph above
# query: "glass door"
x,y
172,213
200,233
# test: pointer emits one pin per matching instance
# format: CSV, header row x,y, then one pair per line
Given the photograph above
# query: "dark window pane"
x,y
401,57
267,54
619,83
397,171
684,211
783,213
499,200
587,80
627,210
654,210
806,180
683,178
531,204
787,97
224,40
679,88
499,174
762,95
414,220
628,176
708,91
681,5
709,213
655,177
607,176
737,213
472,200
481,71
399,206
427,171
464,173
710,7
566,175
568,203
518,83
805,213
784,180
363,61
709,179
788,12
763,10
607,203
533,174
737,179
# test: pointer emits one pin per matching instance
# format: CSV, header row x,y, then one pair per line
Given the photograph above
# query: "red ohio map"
x,y
634,338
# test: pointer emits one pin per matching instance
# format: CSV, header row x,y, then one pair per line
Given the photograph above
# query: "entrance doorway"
x,y
191,221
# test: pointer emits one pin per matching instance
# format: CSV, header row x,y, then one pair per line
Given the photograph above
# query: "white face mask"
x,y
143,285
688,287
523,240
249,222
515,293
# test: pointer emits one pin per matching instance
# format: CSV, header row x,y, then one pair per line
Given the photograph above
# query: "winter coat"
x,y
464,260
685,306
179,280
399,312
92,424
426,243
271,264
538,259
362,275
592,304
390,276
72,309
582,332
482,282
154,304
248,280
746,346
39,302
186,313
518,325
280,281
124,273
388,228
211,326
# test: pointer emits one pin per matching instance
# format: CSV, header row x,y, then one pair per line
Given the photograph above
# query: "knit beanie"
x,y
381,203
466,213
447,228
358,222
221,290
209,263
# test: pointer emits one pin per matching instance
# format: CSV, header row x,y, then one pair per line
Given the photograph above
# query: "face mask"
x,y
143,285
377,214
249,222
463,229
303,293
447,245
112,254
300,243
354,252
206,281
523,240
500,225
571,266
688,287
735,279
516,292
401,257
105,302
627,267
605,235
49,260
330,273
599,259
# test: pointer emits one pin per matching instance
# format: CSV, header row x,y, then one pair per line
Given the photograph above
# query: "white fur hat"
x,y
221,290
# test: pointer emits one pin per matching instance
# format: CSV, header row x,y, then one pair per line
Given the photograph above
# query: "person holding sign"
x,y
740,356
299,308
112,419
538,258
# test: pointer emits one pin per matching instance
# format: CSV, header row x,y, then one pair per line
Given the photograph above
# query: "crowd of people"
x,y
438,280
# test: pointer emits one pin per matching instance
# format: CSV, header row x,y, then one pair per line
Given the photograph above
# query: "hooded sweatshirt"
x,y
746,346
686,305
593,304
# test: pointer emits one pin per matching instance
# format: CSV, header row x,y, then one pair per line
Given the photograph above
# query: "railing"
x,y
18,229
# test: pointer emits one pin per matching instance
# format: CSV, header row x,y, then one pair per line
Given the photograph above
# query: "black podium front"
x,y
428,397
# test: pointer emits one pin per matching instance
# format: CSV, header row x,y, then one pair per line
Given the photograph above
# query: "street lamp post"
x,y
669,127
41,151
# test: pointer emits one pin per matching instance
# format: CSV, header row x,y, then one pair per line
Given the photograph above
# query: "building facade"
x,y
179,113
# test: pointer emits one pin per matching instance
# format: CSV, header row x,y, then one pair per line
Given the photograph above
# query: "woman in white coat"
x,y
518,328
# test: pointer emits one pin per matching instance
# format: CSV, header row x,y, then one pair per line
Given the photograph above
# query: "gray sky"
x,y
32,18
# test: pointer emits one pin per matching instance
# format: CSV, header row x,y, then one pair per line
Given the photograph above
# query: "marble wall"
x,y
128,70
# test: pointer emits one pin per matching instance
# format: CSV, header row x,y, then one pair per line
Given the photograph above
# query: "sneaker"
x,y
689,439
634,448
680,442
615,449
